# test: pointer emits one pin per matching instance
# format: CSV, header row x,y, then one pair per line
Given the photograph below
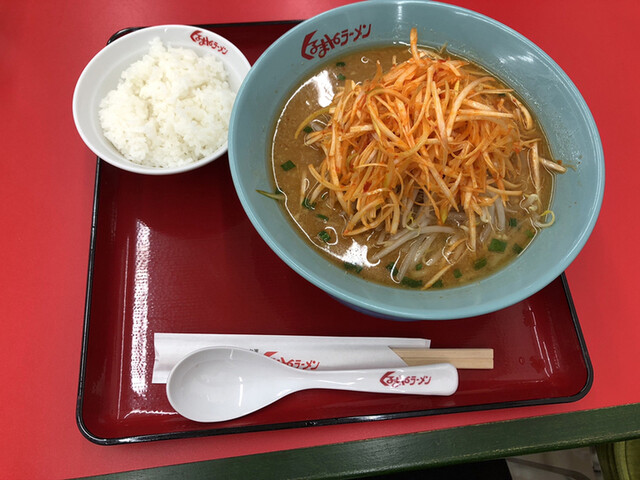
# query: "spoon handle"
x,y
437,379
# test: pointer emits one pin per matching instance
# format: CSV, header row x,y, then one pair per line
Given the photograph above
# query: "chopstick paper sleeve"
x,y
303,352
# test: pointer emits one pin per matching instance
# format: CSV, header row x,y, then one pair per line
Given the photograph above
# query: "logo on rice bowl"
x,y
198,37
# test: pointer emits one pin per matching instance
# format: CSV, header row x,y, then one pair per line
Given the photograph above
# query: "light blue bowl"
x,y
548,91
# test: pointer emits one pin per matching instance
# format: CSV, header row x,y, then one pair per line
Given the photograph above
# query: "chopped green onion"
x,y
517,249
437,284
457,273
340,64
478,264
497,245
352,267
513,222
419,266
307,129
324,236
307,204
278,195
341,77
322,217
411,282
530,233
288,165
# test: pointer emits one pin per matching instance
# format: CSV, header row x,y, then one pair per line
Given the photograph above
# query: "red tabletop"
x,y
47,182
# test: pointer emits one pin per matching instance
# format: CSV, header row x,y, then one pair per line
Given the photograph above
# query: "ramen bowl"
x,y
550,94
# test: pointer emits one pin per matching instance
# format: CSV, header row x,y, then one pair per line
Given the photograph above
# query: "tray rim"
x,y
105,441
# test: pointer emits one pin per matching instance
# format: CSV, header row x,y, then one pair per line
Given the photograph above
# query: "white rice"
x,y
170,108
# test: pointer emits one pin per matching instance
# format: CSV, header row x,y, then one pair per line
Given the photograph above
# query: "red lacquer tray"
x,y
178,254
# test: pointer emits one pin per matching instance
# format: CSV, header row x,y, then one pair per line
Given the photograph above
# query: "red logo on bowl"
x,y
394,380
201,39
320,46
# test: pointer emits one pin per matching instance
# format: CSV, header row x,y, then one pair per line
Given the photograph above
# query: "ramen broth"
x,y
323,221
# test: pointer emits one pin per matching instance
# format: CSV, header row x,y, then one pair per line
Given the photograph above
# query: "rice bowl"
x,y
185,140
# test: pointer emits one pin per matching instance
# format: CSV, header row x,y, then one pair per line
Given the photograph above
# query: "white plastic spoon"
x,y
217,384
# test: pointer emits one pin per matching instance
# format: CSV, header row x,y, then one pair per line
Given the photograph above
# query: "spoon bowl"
x,y
218,384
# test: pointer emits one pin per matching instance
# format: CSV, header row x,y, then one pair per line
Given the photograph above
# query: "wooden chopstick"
x,y
475,358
